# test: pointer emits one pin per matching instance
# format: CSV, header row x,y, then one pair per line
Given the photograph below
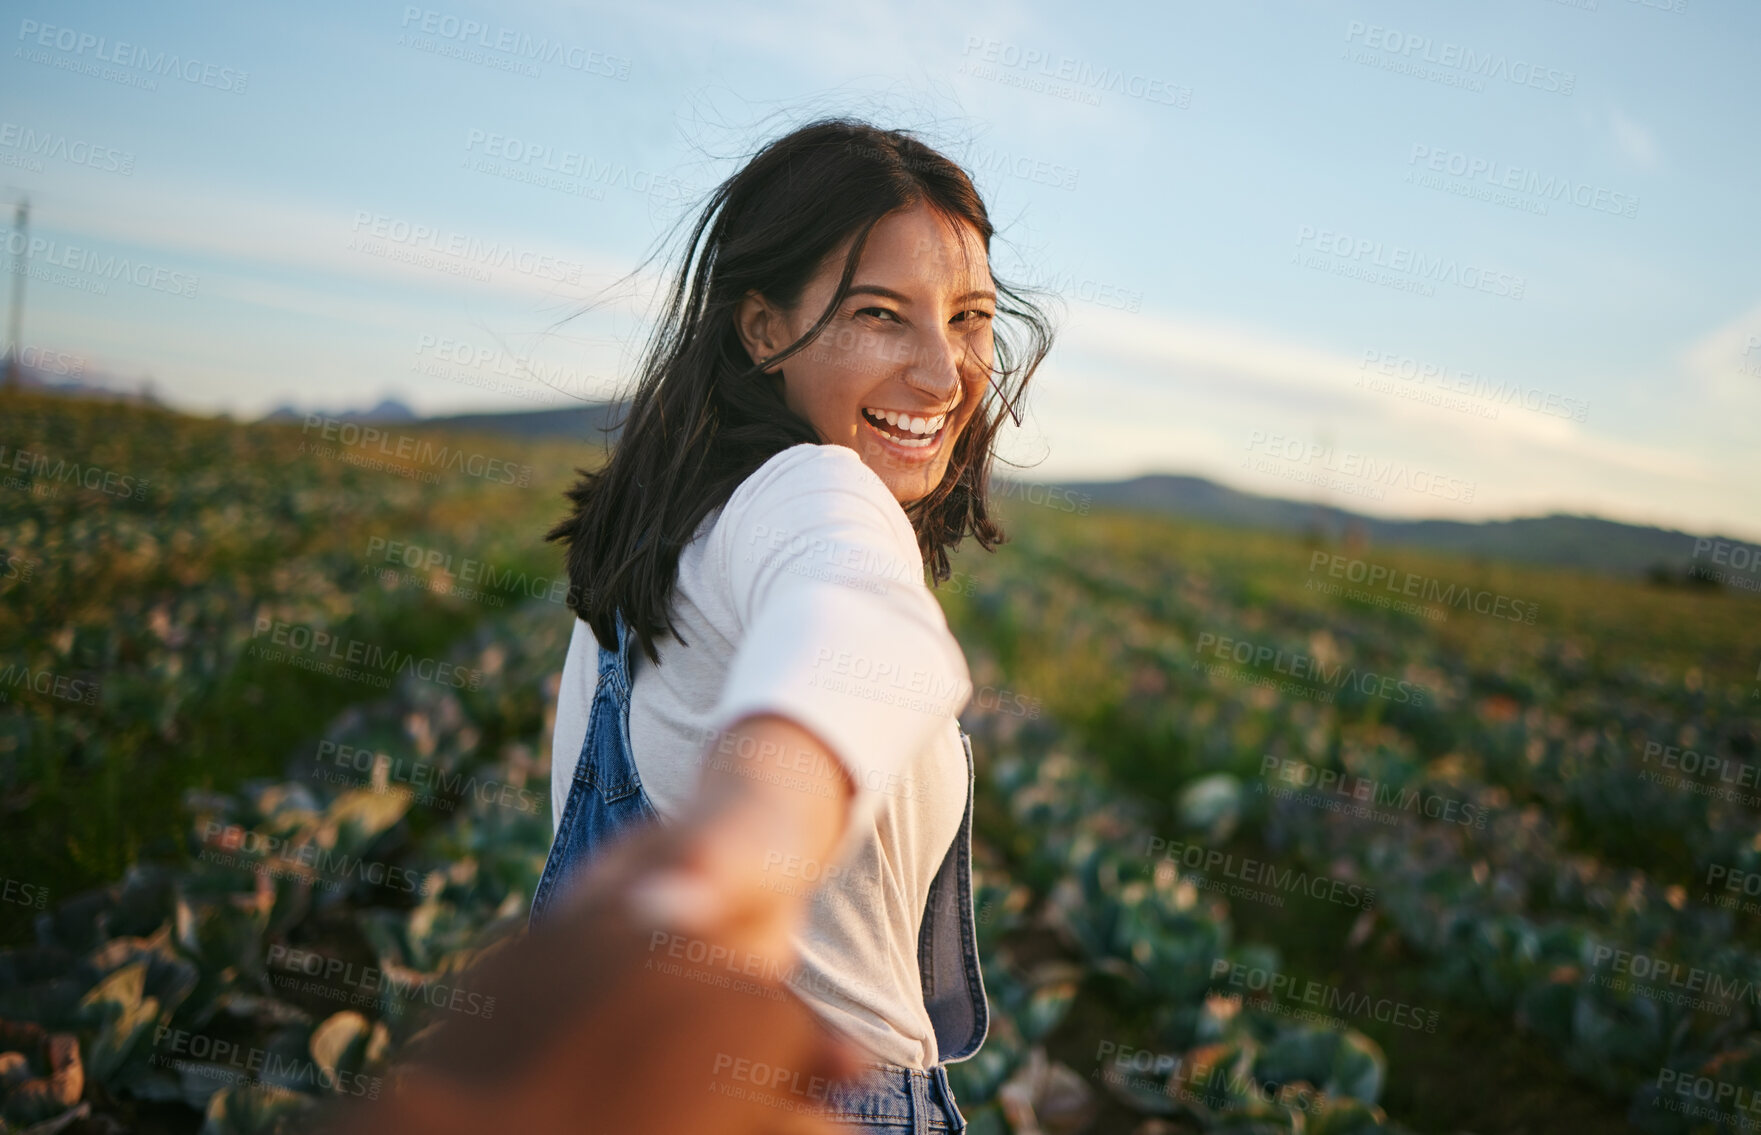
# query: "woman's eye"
x,y
974,315
887,311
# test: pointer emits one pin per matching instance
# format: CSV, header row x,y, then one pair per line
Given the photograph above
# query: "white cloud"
x,y
262,235
1131,394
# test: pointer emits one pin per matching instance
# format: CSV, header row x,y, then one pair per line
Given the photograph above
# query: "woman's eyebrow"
x,y
889,293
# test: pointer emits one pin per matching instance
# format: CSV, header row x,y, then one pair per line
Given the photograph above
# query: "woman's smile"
x,y
906,436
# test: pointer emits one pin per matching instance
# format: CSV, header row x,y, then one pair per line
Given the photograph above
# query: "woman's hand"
x,y
770,794
654,998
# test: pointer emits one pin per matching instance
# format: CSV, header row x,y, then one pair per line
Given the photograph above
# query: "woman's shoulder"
x,y
807,466
816,503
808,485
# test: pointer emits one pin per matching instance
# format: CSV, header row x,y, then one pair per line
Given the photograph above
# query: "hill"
x,y
1589,543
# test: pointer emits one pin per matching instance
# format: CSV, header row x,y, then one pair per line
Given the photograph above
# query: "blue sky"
x,y
1469,259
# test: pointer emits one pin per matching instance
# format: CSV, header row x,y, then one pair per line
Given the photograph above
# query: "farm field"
x,y
1261,846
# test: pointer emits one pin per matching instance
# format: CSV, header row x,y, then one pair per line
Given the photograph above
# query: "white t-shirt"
x,y
803,596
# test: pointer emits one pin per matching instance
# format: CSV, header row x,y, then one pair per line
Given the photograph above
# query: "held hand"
x,y
653,998
752,815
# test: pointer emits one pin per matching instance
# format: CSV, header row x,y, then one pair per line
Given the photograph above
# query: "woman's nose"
x,y
935,367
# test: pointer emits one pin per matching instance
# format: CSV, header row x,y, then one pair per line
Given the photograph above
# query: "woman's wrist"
x,y
752,833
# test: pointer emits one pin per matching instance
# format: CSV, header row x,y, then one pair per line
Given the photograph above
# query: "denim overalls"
x,y
607,795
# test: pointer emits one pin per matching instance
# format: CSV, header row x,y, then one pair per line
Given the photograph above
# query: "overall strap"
x,y
606,794
614,665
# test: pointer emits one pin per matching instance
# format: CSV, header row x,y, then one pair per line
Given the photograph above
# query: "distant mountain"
x,y
1589,543
388,410
582,423
70,379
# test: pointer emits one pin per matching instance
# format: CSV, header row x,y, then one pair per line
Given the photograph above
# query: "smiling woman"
x,y
915,370
813,423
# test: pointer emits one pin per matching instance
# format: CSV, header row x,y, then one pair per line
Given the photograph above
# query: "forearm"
x,y
772,805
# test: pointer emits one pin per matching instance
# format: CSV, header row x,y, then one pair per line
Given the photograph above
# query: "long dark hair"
x,y
703,416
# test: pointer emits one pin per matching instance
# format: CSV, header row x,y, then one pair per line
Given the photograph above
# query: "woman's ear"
x,y
761,328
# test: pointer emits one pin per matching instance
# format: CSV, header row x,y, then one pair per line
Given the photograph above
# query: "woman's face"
x,y
906,358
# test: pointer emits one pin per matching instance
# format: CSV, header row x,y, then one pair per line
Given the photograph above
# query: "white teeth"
x,y
925,427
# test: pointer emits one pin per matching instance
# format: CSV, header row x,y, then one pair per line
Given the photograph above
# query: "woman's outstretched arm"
x,y
771,794
650,999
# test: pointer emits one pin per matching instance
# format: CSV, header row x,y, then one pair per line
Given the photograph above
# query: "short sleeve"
x,y
839,631
574,701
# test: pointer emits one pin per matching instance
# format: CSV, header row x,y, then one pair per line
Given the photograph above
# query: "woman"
x,y
813,423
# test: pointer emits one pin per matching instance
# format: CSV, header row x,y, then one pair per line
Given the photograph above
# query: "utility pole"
x,y
15,321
